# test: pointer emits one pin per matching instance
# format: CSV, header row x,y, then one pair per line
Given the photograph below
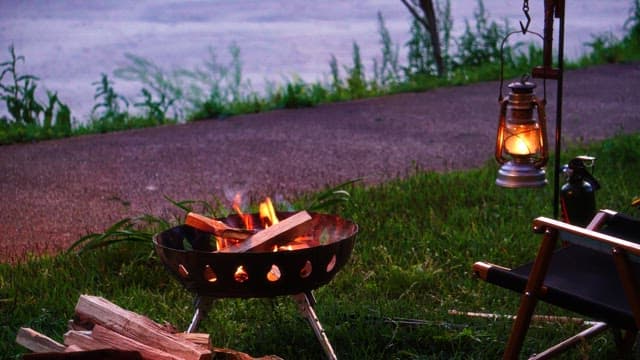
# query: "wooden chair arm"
x,y
542,224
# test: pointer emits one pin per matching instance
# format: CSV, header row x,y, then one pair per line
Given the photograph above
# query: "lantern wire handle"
x,y
544,78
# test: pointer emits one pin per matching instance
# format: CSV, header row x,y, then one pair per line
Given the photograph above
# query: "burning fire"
x,y
268,218
246,218
268,215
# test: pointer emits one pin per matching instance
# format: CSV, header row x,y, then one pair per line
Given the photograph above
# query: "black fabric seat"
x,y
572,267
583,276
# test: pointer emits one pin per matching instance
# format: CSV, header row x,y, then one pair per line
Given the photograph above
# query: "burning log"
x,y
269,235
216,227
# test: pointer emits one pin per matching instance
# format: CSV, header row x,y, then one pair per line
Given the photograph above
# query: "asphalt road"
x,y
53,192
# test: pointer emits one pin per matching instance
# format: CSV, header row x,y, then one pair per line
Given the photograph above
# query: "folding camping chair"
x,y
593,271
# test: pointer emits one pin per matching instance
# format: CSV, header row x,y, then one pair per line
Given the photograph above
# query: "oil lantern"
x,y
521,144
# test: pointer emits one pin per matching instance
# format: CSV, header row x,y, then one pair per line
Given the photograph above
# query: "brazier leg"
x,y
202,305
305,302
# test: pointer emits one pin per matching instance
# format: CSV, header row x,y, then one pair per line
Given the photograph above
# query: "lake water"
x,y
68,44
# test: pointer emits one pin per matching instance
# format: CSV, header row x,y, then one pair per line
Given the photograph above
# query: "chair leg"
x,y
572,341
629,282
625,340
520,326
529,299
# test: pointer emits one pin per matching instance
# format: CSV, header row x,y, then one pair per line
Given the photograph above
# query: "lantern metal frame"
x,y
527,170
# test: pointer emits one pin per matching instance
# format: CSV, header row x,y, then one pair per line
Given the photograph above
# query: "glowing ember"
x,y
241,274
209,274
183,271
306,269
332,263
291,247
274,274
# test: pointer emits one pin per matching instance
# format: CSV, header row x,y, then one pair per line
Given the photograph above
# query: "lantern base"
x,y
514,175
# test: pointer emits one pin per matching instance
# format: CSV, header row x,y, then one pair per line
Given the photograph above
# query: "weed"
x,y
481,45
356,81
56,116
31,119
293,95
336,81
155,110
388,72
419,59
110,106
159,83
19,93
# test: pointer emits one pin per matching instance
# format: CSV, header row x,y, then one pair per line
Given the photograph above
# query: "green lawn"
x,y
418,238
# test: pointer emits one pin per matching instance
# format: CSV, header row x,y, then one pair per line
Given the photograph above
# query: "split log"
x,y
107,331
76,324
37,342
139,328
269,235
201,339
228,354
103,354
82,339
73,348
103,338
216,227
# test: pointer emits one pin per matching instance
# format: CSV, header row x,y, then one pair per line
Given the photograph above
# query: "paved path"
x,y
55,191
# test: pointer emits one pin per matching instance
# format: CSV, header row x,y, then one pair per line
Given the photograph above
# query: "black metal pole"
x,y
559,8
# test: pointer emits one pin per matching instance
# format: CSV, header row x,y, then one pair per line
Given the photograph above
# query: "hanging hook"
x,y
525,9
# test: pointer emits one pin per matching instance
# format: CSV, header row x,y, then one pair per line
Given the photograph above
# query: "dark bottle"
x,y
577,195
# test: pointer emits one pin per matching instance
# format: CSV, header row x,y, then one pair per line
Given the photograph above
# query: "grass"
x,y
216,90
418,239
418,235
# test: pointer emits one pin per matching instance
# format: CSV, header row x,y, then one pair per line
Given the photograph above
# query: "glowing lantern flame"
x,y
522,140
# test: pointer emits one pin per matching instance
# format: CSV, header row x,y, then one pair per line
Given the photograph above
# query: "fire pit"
x,y
190,255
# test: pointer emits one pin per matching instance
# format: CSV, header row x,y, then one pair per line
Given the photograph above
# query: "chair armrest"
x,y
582,236
481,269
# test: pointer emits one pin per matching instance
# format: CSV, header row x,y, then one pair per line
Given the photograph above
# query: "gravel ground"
x,y
55,191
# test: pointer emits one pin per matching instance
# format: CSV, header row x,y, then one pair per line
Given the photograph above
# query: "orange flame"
x,y
293,246
267,212
268,217
246,218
